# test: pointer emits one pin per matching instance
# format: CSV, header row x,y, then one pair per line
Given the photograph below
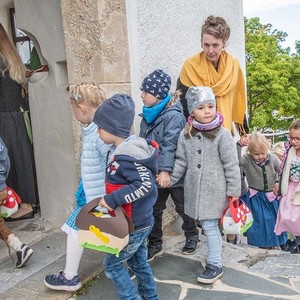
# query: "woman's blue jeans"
x,y
214,241
135,254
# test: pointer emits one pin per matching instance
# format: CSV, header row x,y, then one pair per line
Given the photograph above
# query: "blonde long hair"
x,y
10,60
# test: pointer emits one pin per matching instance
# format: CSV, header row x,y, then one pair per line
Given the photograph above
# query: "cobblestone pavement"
x,y
249,273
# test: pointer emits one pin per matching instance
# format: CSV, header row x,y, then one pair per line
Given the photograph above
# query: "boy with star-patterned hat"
x,y
163,121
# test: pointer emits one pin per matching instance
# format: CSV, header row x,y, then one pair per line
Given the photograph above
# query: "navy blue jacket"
x,y
130,180
165,130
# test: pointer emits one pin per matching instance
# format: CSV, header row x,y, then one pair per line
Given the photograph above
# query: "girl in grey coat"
x,y
206,154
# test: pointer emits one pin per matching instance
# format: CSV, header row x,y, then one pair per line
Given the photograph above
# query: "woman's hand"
x,y
244,140
163,179
103,204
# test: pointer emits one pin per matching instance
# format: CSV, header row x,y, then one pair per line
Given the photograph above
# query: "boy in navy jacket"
x,y
162,122
130,183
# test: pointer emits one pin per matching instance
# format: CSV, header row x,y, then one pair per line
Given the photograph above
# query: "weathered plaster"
x,y
96,41
162,34
115,43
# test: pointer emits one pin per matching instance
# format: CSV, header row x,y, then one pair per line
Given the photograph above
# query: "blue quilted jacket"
x,y
93,162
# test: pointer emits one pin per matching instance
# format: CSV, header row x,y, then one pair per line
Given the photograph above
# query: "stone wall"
x,y
114,43
50,109
162,34
97,43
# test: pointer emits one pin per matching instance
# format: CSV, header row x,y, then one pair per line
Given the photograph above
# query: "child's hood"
x,y
174,104
140,151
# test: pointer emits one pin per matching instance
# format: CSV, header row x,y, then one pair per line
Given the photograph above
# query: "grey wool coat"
x,y
211,170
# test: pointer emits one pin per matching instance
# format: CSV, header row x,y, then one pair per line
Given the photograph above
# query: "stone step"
x,y
48,258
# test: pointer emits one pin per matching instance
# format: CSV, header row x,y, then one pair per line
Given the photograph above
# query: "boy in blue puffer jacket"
x,y
163,121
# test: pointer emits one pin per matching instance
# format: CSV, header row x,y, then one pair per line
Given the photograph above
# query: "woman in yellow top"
x,y
215,68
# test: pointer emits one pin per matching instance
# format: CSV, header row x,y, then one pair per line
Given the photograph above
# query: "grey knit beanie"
x,y
115,115
197,95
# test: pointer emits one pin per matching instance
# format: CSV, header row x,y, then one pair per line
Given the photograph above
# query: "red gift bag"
x,y
236,219
11,204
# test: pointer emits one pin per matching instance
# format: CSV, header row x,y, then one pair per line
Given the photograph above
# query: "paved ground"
x,y
249,273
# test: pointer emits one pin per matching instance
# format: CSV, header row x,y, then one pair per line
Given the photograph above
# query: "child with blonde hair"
x,y
288,218
85,99
206,154
261,169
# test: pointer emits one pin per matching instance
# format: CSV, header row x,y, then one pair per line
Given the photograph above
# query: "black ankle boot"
x,y
285,247
293,247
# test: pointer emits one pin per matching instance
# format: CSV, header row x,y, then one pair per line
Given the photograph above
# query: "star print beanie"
x,y
115,115
157,83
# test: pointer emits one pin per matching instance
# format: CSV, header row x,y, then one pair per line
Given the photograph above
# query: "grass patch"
x,y
84,289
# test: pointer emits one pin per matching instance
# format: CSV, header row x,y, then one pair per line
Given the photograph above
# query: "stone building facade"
x,y
111,42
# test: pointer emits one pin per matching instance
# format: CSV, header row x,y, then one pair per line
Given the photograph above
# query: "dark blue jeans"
x,y
135,254
189,224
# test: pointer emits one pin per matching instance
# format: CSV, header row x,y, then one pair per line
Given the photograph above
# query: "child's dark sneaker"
x,y
285,247
154,251
190,246
210,274
235,241
23,255
293,247
61,283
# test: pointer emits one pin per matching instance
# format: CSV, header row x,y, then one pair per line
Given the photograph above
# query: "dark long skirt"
x,y
261,233
22,176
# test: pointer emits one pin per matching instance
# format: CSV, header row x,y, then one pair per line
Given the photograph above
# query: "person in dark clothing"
x,y
162,121
22,177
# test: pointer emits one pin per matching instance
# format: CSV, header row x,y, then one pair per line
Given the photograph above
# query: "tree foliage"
x,y
273,77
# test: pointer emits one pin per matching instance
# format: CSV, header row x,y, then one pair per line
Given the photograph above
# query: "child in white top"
x,y
85,99
206,154
279,150
288,218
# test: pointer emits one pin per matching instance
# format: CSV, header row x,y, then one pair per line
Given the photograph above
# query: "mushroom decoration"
x,y
11,204
237,219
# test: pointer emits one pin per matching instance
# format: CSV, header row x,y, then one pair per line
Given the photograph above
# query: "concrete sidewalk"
x,y
249,273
